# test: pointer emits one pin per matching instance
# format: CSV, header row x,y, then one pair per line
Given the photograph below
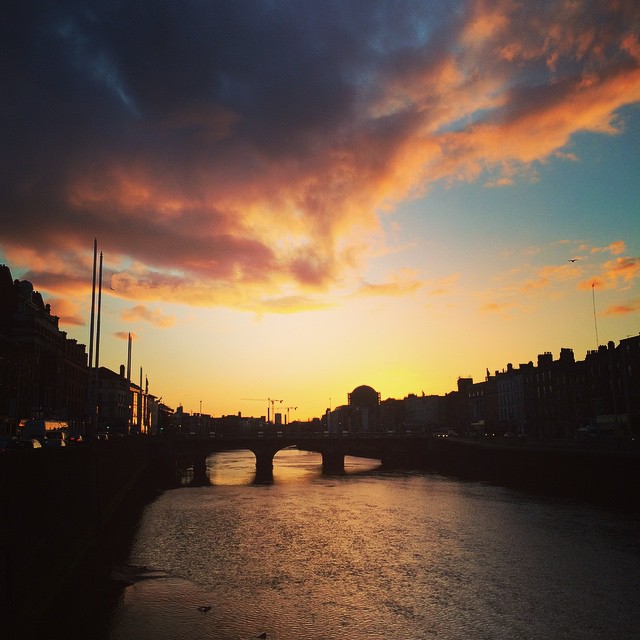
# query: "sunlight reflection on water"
x,y
289,465
375,554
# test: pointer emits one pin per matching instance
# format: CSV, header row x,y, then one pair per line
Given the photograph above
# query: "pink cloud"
x,y
67,311
123,335
140,313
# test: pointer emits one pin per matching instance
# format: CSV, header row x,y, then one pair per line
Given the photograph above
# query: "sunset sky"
x,y
296,198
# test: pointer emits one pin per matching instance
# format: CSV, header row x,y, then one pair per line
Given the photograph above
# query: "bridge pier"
x,y
264,461
332,462
264,467
200,477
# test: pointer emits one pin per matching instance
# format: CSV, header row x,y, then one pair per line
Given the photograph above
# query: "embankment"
x,y
66,515
607,475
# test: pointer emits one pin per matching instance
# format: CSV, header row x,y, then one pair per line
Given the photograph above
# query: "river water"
x,y
374,554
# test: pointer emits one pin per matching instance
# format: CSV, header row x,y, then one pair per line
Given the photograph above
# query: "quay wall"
x,y
67,514
603,474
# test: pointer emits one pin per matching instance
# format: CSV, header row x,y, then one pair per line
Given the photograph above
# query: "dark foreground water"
x,y
373,554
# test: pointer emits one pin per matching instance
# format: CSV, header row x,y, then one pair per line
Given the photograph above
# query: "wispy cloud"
x,y
549,275
124,335
140,313
623,309
613,273
615,248
398,284
501,308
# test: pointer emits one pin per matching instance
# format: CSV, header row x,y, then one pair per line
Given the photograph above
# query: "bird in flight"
x,y
572,259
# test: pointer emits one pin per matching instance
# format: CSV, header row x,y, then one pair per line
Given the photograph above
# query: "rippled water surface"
x,y
373,554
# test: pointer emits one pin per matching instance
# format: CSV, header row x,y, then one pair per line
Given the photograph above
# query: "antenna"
x,y
595,319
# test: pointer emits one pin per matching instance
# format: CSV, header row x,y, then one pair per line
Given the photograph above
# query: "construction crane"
x,y
273,411
287,410
270,400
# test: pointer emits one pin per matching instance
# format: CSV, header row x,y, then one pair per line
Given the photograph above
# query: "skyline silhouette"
x,y
551,397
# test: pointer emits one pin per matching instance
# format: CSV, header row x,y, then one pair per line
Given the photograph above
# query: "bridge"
x,y
389,448
608,470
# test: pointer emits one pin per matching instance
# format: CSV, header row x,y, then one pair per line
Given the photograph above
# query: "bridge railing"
x,y
301,434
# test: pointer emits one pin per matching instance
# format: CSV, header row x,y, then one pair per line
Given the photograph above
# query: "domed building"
x,y
361,413
364,396
364,409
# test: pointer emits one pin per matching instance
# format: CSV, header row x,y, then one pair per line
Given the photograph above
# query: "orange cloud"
x,y
549,274
123,335
623,309
497,307
140,313
592,283
615,248
399,284
626,269
67,311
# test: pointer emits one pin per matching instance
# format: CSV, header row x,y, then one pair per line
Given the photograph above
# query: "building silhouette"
x,y
552,399
43,373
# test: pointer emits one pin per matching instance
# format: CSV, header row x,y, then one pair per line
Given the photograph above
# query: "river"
x,y
374,554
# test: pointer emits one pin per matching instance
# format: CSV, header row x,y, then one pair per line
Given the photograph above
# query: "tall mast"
x,y
595,319
91,407
129,394
97,363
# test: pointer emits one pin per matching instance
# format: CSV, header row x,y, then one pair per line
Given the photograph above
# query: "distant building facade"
x,y
125,407
555,398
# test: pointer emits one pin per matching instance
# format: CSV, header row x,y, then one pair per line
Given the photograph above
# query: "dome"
x,y
364,395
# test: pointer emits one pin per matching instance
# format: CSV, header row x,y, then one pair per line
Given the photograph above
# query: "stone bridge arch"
x,y
333,449
264,452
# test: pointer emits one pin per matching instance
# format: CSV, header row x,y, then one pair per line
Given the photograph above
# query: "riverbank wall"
x,y
607,474
66,515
